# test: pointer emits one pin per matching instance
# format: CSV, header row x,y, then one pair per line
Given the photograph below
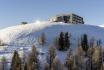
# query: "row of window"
x,y
66,19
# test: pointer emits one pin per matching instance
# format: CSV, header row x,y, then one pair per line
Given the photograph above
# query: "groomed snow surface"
x,y
22,37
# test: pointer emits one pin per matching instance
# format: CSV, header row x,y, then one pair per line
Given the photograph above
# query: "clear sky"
x,y
12,12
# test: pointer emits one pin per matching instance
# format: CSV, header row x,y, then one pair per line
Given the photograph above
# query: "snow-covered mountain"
x,y
27,34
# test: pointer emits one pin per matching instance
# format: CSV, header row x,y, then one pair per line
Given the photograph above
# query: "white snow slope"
x,y
28,34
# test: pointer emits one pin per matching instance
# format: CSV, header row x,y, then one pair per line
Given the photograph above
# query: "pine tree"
x,y
67,41
96,58
16,61
51,55
61,41
69,54
90,53
78,57
57,65
70,63
23,23
84,43
32,61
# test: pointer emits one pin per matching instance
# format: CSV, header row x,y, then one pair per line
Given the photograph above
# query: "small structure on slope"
x,y
67,18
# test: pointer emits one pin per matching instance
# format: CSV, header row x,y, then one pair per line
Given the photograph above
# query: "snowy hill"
x,y
28,34
101,25
22,37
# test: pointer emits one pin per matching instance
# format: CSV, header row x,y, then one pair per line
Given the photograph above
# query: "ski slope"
x,y
28,34
22,37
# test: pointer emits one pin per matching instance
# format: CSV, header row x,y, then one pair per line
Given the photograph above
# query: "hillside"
x,y
22,37
28,34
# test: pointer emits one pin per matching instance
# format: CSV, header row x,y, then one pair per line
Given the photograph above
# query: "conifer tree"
x,y
67,41
69,53
51,55
78,57
70,63
23,23
16,61
84,43
42,39
61,41
90,54
96,58
33,62
57,65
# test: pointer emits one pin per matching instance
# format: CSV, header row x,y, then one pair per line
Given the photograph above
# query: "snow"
x,y
101,25
22,37
27,34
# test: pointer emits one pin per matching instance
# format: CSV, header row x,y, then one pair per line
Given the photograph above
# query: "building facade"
x,y
68,18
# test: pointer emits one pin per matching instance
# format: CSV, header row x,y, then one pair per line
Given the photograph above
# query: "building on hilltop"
x,y
68,18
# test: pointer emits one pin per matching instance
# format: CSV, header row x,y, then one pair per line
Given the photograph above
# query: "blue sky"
x,y
12,12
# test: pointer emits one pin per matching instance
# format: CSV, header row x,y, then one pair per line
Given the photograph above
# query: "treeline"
x,y
87,55
29,62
